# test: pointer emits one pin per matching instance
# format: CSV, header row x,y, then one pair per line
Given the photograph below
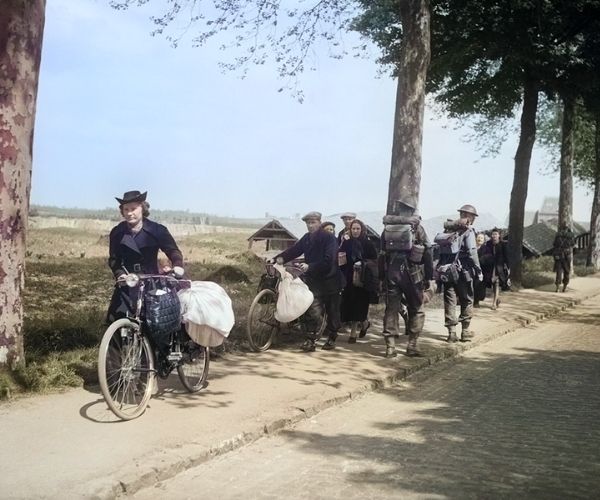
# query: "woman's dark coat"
x,y
137,253
356,300
494,262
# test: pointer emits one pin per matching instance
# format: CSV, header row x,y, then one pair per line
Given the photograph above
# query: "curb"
x,y
171,462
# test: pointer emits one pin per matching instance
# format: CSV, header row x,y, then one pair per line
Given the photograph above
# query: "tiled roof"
x,y
539,238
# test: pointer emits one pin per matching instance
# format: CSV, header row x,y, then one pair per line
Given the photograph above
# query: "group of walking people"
x,y
346,272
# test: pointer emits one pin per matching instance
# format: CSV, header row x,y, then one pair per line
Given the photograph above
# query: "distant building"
x,y
548,211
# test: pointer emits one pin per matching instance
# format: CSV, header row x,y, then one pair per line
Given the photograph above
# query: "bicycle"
x,y
127,358
261,326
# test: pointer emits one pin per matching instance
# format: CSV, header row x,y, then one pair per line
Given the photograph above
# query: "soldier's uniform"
x,y
563,256
404,283
462,290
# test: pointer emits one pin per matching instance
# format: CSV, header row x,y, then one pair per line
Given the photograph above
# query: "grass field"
x,y
68,286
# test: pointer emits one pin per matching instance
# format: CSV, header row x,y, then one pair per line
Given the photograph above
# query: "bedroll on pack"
x,y
449,243
398,237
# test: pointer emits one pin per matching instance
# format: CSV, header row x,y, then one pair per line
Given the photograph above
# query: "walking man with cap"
x,y
344,234
408,271
323,277
468,264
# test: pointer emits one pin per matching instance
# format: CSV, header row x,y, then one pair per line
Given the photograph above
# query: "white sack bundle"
x,y
294,297
207,313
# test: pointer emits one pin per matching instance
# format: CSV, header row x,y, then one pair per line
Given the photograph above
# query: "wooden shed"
x,y
275,236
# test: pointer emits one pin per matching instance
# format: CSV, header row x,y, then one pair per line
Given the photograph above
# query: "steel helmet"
x,y
470,209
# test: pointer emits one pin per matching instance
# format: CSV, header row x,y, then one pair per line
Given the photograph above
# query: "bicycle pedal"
x,y
174,357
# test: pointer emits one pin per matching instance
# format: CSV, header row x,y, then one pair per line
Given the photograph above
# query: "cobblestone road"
x,y
518,417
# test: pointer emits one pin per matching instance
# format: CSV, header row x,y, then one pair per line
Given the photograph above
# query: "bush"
x,y
582,270
544,264
536,279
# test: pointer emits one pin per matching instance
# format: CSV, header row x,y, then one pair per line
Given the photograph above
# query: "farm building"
x,y
276,236
538,238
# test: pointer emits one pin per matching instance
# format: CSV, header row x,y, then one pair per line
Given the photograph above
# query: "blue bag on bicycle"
x,y
162,314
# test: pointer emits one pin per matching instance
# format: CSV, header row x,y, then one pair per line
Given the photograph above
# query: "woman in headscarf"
x,y
355,297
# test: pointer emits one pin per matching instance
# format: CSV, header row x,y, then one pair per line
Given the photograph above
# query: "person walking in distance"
x,y
407,274
323,277
457,266
494,265
479,286
564,241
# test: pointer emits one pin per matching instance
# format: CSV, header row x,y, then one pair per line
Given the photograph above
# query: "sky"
x,y
120,110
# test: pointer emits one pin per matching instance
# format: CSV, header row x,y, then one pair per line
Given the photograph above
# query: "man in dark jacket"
x,y
323,277
407,274
564,242
133,248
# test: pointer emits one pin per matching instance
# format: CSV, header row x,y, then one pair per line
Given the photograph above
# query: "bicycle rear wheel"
x,y
262,325
193,368
126,369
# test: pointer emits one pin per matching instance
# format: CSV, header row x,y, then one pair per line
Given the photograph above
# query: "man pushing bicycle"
x,y
322,275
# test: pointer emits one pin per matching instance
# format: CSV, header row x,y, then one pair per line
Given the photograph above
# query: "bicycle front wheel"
x,y
193,368
262,326
126,369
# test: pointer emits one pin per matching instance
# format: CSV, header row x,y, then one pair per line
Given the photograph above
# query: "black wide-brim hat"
x,y
131,196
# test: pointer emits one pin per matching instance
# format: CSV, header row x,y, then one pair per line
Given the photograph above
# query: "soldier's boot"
x,y
452,334
557,288
390,346
466,335
564,288
411,347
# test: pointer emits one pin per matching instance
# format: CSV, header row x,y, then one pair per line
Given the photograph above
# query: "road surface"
x,y
517,417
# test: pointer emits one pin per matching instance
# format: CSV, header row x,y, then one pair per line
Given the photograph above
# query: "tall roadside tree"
x,y
491,59
288,32
21,31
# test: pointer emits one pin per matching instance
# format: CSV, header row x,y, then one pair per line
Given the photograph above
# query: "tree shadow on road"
x,y
535,433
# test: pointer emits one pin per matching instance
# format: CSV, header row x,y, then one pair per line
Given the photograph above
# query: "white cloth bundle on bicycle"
x,y
294,297
207,313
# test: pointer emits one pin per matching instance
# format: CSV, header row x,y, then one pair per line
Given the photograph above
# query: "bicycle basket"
x,y
162,314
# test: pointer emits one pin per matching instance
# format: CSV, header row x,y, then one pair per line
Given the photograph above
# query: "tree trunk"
x,y
21,31
405,174
593,253
565,196
518,195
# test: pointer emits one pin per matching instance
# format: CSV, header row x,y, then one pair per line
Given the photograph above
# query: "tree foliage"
x,y
258,31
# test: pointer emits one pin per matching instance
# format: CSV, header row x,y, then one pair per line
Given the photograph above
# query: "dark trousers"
x,y
563,271
399,288
312,318
461,292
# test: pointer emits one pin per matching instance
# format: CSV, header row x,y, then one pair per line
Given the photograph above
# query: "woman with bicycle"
x,y
133,248
145,337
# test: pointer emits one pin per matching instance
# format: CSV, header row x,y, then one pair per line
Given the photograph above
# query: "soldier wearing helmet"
x,y
461,291
407,274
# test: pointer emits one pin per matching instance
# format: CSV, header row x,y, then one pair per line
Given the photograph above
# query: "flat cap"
x,y
312,215
348,215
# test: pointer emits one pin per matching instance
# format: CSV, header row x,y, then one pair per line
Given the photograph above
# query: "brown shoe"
x,y
466,335
452,336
